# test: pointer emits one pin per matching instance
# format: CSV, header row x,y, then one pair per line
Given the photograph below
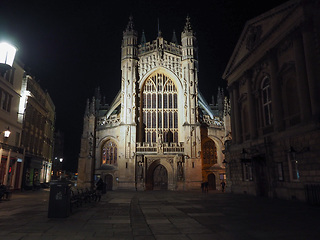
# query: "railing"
x,y
216,121
146,147
103,121
160,147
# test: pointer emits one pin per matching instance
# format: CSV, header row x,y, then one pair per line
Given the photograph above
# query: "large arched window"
x,y
109,153
266,101
160,108
209,153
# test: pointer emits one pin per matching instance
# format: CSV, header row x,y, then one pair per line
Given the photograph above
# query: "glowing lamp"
x,y
7,54
7,133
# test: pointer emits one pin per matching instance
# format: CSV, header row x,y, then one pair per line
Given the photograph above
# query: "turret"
x,y
129,42
188,40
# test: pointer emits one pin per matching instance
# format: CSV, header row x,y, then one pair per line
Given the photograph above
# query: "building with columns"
x,y
159,132
273,80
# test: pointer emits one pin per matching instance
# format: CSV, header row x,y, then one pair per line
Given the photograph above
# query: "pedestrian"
x,y
223,184
202,187
206,186
99,189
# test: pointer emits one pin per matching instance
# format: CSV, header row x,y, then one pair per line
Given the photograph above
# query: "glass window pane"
x,y
159,120
154,120
159,100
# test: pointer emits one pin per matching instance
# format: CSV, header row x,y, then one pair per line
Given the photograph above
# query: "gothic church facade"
x,y
159,132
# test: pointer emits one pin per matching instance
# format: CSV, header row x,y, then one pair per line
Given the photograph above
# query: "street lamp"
x,y
7,133
7,54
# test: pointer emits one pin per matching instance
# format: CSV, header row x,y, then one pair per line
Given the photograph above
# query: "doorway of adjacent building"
x,y
108,179
261,177
160,178
212,181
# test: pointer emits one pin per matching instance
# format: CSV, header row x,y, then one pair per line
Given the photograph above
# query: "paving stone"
x,y
160,215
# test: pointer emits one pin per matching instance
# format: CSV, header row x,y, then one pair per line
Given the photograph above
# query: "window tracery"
x,y
109,153
209,153
160,108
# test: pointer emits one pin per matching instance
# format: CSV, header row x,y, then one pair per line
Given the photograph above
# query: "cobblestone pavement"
x,y
162,215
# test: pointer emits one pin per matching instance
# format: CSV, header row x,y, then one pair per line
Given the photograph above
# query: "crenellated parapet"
x,y
167,55
108,122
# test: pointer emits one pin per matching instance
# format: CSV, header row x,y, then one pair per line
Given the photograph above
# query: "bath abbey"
x,y
159,132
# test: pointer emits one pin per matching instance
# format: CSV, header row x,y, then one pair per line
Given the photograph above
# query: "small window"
x,y
293,167
280,171
247,171
266,101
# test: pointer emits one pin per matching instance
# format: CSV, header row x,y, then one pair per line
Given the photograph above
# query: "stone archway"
x,y
160,178
212,181
159,172
108,179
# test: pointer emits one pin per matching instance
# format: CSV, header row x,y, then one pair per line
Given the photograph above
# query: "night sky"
x,y
72,47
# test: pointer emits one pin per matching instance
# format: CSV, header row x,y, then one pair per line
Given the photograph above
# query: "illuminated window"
x,y
109,153
209,153
160,108
266,101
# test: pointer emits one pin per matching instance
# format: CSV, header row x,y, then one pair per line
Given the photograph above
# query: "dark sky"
x,y
71,47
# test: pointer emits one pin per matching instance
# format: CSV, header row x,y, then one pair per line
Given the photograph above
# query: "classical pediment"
x,y
256,31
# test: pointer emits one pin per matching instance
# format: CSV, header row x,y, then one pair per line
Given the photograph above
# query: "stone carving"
x,y
180,170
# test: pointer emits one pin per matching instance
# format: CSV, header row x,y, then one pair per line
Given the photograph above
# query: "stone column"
x,y
251,106
302,80
233,123
311,67
275,92
237,116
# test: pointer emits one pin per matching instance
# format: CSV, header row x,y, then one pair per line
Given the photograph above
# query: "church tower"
x,y
192,136
150,137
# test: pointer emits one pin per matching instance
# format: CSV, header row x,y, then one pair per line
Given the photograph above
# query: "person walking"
x,y
223,185
99,189
206,184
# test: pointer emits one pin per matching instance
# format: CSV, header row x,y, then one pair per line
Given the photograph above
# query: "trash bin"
x,y
59,199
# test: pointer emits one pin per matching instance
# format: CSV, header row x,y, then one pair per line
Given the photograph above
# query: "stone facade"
x,y
37,134
11,153
273,82
159,132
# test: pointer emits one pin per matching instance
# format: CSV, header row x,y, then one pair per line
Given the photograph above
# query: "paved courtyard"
x,y
162,215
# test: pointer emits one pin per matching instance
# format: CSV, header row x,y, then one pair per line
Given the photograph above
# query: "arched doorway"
x,y
160,178
212,181
108,179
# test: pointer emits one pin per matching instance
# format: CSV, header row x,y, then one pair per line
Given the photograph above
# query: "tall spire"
x,y
143,39
130,24
174,38
187,27
86,112
159,31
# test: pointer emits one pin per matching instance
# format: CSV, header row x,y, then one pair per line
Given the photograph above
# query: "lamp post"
x,y
7,54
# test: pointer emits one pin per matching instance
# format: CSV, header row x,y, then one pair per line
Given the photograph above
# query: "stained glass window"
x,y
160,107
109,153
